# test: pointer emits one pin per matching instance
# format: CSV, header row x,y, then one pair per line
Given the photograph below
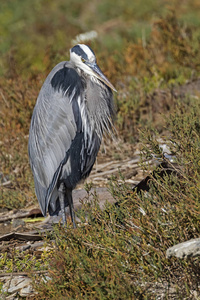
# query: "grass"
x,y
143,49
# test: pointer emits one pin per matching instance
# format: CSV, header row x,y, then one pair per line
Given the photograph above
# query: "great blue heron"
x,y
73,109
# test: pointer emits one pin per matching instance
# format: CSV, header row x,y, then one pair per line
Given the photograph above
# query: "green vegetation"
x,y
144,48
121,253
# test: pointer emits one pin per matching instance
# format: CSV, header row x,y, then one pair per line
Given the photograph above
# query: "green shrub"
x,y
121,252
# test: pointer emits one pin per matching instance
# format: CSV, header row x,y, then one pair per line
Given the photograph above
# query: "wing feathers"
x,y
53,128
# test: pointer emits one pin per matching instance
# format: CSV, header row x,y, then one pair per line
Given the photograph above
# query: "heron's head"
x,y
82,57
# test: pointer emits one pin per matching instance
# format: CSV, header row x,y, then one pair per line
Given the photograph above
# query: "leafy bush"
x,y
121,252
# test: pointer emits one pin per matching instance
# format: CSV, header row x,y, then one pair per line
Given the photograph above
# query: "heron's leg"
x,y
61,194
71,207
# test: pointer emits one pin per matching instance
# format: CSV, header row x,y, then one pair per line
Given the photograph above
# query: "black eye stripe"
x,y
79,51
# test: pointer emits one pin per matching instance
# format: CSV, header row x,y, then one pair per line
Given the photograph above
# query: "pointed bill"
x,y
99,74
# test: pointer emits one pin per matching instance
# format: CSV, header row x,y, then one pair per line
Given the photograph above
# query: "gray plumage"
x,y
73,110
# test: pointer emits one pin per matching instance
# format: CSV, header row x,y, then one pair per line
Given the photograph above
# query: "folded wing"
x,y
55,123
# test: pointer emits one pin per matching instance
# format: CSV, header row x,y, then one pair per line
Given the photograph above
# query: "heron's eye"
x,y
83,60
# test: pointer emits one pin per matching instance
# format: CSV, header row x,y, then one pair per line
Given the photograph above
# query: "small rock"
x,y
17,222
187,249
16,284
